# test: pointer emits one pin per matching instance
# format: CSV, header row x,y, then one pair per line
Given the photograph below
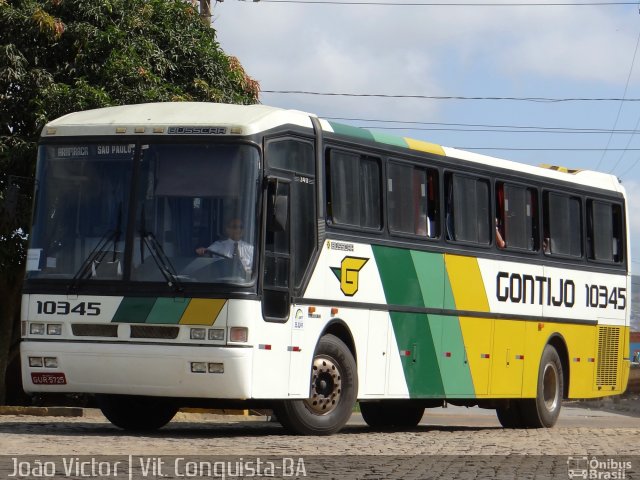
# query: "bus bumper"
x,y
155,370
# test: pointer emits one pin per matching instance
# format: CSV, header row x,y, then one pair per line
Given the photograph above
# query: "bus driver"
x,y
232,247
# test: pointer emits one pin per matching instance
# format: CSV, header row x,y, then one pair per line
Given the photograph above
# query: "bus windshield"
x,y
190,217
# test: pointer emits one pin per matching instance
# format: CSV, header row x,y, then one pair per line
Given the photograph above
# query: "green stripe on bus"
x,y
454,366
450,352
412,331
431,346
430,271
350,131
168,310
389,139
134,310
398,275
418,354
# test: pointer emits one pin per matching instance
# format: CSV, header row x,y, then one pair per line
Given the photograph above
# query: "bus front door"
x,y
276,293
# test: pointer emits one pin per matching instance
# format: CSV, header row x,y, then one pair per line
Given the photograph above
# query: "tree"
x,y
59,56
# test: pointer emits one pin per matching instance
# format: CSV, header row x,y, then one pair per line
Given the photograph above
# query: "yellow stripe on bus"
x,y
424,146
202,311
477,333
466,283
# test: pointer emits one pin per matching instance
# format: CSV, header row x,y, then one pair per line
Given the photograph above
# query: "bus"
x,y
227,256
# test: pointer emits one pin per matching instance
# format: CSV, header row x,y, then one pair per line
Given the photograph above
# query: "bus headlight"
x,y
216,334
50,362
54,329
198,334
36,329
198,367
35,362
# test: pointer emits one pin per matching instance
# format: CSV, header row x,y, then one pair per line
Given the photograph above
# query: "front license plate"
x,y
48,378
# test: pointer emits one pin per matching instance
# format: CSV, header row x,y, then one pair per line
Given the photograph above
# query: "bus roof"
x,y
249,119
157,118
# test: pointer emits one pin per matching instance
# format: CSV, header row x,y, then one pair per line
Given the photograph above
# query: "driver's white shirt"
x,y
225,248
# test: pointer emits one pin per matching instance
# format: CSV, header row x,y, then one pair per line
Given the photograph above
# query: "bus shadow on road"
x,y
203,429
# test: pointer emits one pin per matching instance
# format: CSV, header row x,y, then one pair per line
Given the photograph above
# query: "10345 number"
x,y
65,308
599,296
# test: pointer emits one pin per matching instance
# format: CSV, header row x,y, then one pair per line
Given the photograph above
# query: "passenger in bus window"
x,y
499,237
232,247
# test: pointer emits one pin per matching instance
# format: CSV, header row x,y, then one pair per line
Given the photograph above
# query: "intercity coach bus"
x,y
199,254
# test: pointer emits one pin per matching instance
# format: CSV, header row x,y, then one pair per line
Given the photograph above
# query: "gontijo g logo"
x,y
349,273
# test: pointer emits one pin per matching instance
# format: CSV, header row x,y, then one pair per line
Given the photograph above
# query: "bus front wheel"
x,y
543,411
138,414
334,387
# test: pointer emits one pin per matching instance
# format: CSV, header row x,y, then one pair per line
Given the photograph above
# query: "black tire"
x,y
543,411
334,387
138,414
391,414
511,415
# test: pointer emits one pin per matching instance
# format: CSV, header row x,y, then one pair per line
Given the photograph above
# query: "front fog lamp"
x,y
216,368
35,362
198,367
216,334
198,333
36,329
54,329
50,362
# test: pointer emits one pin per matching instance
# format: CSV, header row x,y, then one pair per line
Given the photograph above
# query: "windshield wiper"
x,y
159,256
95,257
99,252
162,261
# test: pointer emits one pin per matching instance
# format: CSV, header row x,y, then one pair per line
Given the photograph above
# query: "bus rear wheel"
x,y
389,414
543,411
510,416
334,387
135,413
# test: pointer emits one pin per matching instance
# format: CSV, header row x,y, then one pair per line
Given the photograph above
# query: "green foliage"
x,y
59,56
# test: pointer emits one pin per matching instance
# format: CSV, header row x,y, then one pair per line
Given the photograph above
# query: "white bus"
x,y
198,254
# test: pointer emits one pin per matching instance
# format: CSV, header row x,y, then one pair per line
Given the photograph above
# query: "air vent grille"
x,y
153,331
608,345
94,330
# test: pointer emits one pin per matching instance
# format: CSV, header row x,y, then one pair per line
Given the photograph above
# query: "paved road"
x,y
444,436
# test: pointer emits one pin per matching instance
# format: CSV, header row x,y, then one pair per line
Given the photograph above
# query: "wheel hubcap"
x,y
550,387
326,386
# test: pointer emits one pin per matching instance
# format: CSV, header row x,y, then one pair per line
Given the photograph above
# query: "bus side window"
x,y
516,216
562,225
604,231
354,189
412,197
467,217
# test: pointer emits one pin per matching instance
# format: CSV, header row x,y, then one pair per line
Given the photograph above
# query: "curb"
x,y
79,412
216,411
42,411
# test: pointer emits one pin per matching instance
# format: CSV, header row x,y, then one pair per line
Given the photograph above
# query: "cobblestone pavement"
x,y
581,430
450,443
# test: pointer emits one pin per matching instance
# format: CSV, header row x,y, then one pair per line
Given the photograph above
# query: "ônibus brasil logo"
x,y
348,273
